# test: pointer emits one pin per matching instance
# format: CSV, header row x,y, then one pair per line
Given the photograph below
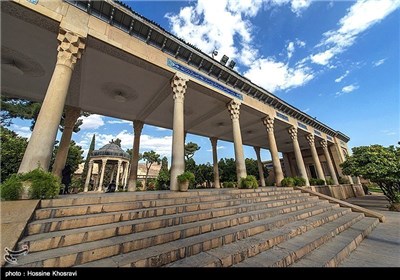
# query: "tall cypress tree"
x,y
86,166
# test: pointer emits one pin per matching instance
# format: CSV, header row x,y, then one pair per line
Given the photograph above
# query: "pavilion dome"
x,y
112,150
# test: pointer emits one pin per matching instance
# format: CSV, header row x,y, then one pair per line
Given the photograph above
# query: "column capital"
x,y
310,139
293,132
214,141
323,144
104,160
70,48
269,123
137,127
234,109
178,84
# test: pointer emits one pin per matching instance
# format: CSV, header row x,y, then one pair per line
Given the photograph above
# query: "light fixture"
x,y
214,53
224,59
231,64
12,67
119,97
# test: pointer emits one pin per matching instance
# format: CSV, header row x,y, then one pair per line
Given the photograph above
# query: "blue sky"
x,y
337,61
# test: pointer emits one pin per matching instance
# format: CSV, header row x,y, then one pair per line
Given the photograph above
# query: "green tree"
x,y
227,168
163,179
190,149
150,158
74,157
12,151
86,166
204,174
252,167
379,164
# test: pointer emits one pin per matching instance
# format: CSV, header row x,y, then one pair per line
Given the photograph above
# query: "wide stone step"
x,y
95,250
104,198
241,250
192,224
164,254
65,223
289,251
187,204
332,253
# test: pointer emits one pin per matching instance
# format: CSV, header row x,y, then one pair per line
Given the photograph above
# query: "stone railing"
x,y
339,191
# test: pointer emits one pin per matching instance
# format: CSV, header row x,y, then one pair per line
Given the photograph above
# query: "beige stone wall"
x,y
340,191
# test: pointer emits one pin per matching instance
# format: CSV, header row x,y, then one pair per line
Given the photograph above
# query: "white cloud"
x,y
23,131
361,16
119,122
280,76
290,49
379,62
161,145
347,89
93,121
218,148
298,6
161,129
306,110
225,25
389,132
338,80
323,57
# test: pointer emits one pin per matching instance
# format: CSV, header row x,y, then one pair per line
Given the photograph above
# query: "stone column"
x,y
276,162
71,115
358,181
137,129
178,84
118,173
297,152
329,161
103,169
234,110
314,154
126,169
214,142
112,173
41,143
286,163
88,176
260,166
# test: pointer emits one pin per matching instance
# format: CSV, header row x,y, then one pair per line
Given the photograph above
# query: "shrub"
x,y
228,184
43,184
343,181
299,181
186,176
316,182
139,185
11,189
250,182
287,182
329,181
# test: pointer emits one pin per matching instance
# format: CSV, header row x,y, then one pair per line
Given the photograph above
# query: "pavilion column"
x,y
103,169
329,161
276,162
178,84
88,176
297,152
214,142
137,129
126,169
234,110
112,173
41,143
314,154
118,173
260,166
71,116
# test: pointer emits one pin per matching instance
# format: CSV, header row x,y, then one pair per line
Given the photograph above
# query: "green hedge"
x,y
293,181
316,182
228,184
250,182
43,185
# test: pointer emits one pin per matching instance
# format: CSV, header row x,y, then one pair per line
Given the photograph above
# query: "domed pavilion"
x,y
110,154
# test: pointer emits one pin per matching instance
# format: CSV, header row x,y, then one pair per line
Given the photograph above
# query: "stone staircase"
x,y
213,228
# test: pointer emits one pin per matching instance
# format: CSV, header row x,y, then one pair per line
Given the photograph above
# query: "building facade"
x,y
102,57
